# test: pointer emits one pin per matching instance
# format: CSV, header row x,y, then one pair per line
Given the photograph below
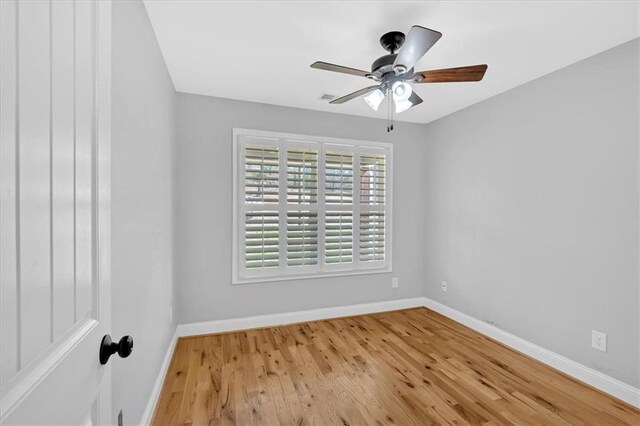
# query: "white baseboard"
x,y
293,317
157,386
574,369
585,374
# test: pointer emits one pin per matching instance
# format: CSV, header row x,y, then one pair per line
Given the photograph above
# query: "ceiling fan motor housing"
x,y
383,70
383,64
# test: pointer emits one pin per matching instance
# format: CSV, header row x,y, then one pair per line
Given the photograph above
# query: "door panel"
x,y
54,210
63,159
33,175
63,396
8,270
83,164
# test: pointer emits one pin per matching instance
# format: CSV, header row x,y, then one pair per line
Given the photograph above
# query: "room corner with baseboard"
x,y
271,213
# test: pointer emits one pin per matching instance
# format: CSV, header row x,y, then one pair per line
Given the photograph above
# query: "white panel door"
x,y
54,210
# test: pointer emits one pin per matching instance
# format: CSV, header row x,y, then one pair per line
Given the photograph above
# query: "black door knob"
x,y
107,348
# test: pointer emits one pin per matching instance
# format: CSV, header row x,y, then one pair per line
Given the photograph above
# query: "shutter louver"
x,y
338,238
261,174
372,236
372,179
261,240
338,178
302,238
302,176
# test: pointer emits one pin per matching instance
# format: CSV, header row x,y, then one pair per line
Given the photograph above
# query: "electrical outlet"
x,y
599,340
394,282
120,421
443,285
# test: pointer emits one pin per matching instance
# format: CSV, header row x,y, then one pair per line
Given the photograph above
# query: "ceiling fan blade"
x,y
354,95
452,75
415,99
338,68
419,40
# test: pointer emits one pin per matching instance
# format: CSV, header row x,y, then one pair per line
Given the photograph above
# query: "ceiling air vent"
x,y
327,97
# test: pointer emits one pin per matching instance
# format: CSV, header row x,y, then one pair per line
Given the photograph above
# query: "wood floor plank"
x,y
408,367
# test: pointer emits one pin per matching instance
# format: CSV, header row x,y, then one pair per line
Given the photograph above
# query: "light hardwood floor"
x,y
404,367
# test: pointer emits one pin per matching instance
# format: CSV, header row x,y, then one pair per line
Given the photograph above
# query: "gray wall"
x,y
142,215
204,211
532,210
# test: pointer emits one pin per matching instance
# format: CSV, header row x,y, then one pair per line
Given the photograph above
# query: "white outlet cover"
x,y
443,285
599,340
394,282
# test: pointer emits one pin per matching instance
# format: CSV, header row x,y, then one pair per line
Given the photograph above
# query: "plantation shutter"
x,y
302,238
339,204
373,175
338,172
261,174
260,212
372,237
261,240
372,170
302,207
302,176
338,237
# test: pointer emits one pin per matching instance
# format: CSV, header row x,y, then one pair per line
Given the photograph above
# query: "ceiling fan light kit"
x,y
374,99
394,72
401,91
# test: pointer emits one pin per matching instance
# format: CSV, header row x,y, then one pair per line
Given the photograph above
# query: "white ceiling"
x,y
261,51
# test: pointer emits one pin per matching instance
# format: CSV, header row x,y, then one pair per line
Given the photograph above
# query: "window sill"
x,y
256,280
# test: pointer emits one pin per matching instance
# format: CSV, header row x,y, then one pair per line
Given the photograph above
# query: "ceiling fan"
x,y
394,72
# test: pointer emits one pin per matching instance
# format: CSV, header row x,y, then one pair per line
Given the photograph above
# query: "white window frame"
x,y
321,270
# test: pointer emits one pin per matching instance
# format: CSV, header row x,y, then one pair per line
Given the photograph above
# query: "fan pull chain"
x,y
388,118
391,104
389,111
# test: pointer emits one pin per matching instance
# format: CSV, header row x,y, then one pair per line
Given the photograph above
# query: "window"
x,y
307,206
